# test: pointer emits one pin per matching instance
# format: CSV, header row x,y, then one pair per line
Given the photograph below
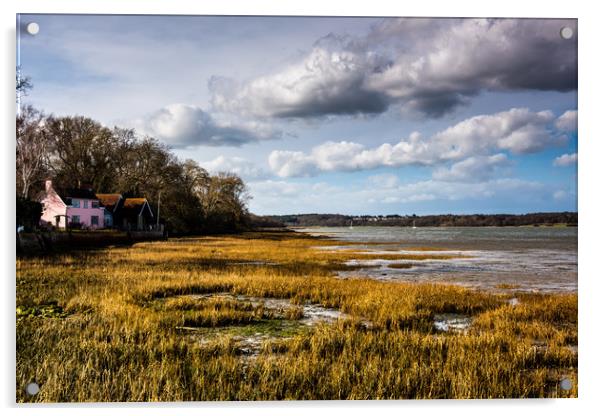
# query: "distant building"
x,y
83,208
72,207
112,204
136,214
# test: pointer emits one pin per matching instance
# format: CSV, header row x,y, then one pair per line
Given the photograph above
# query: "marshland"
x,y
280,315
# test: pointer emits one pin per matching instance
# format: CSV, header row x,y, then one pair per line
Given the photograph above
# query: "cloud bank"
x,y
425,66
470,143
181,125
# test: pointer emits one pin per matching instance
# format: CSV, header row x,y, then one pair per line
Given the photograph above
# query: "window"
x,y
85,204
75,203
94,204
95,220
75,218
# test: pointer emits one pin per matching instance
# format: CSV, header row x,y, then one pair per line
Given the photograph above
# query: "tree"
x,y
83,152
225,202
80,152
32,149
28,213
23,85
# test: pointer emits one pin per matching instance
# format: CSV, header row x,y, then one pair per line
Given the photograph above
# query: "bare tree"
x,y
83,152
23,85
32,149
224,201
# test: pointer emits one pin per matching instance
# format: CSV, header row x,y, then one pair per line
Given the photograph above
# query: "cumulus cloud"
x,y
325,82
241,166
472,169
567,121
429,66
181,125
565,160
517,131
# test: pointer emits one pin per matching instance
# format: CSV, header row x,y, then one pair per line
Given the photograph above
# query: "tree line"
x,y
449,220
78,152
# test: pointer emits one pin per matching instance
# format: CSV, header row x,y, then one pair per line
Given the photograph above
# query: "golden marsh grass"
x,y
106,325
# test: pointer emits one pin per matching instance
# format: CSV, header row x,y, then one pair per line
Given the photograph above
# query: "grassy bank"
x,y
189,319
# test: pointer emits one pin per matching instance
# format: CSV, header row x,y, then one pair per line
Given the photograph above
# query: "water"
x,y
538,259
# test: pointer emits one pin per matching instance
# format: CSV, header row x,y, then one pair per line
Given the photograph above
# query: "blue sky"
x,y
338,115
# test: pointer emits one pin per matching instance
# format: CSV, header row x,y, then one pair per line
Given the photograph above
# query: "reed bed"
x,y
106,325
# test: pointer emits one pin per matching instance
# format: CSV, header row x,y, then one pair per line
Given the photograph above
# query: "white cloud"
x,y
429,66
472,169
518,130
242,167
324,82
567,121
181,125
565,160
286,163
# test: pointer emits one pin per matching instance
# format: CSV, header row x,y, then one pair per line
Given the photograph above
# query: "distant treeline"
x,y
449,220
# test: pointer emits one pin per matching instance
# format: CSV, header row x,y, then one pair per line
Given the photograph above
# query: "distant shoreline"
x,y
546,219
557,225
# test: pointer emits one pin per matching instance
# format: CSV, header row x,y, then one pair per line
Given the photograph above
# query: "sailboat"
x,y
351,225
414,224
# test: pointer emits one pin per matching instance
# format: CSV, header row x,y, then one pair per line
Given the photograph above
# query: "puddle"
x,y
452,322
249,339
312,313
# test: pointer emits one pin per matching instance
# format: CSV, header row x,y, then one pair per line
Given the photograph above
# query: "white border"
x,y
589,193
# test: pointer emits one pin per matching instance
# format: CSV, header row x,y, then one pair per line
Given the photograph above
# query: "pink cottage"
x,y
74,207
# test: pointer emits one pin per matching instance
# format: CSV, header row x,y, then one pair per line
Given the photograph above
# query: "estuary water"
x,y
534,259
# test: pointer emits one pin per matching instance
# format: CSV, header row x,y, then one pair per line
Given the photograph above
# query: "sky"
x,y
355,116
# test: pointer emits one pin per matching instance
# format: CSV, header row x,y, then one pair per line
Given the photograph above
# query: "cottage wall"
x,y
53,205
85,214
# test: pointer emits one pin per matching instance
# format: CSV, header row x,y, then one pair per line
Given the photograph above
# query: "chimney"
x,y
48,185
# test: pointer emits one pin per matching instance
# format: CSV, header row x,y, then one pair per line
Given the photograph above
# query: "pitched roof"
x,y
132,207
134,202
109,201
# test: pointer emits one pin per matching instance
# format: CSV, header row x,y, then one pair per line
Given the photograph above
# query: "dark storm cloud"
x,y
426,66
